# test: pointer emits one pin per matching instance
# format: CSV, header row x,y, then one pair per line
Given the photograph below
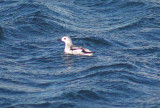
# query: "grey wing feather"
x,y
84,50
73,47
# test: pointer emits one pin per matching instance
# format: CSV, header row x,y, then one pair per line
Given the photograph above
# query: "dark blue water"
x,y
124,71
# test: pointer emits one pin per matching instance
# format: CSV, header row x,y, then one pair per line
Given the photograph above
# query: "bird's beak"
x,y
59,40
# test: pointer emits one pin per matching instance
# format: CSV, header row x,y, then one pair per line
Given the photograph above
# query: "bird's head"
x,y
67,40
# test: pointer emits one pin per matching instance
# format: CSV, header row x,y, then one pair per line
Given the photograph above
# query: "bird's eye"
x,y
64,38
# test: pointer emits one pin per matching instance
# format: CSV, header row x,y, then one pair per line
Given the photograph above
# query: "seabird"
x,y
72,49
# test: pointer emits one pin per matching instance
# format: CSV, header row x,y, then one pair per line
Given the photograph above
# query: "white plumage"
x,y
72,49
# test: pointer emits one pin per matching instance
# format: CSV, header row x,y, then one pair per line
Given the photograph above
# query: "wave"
x,y
32,19
82,94
148,2
47,104
143,51
7,91
38,19
1,32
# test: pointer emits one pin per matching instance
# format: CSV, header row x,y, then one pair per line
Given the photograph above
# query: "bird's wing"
x,y
73,47
80,49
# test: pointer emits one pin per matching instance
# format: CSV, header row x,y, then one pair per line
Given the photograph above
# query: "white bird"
x,y
72,49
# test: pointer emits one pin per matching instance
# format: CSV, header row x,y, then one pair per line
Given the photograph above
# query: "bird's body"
x,y
72,49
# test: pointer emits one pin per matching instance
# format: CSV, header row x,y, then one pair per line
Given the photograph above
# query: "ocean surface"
x,y
124,71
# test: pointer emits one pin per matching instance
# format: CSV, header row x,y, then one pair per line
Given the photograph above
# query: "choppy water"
x,y
124,71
